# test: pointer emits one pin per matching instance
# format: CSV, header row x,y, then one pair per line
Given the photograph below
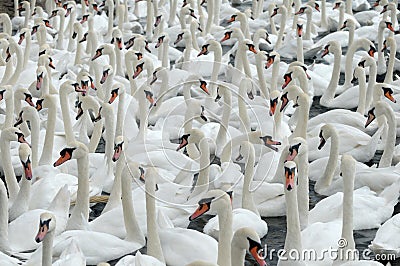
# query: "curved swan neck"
x,y
300,56
326,179
360,43
282,27
307,36
329,93
46,156
387,156
120,115
9,174
69,134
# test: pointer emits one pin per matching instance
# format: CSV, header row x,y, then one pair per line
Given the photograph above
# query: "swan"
x,y
217,201
20,205
384,242
293,236
390,43
359,43
118,212
381,61
248,214
7,135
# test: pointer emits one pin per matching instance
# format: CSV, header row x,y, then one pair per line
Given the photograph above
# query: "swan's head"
x,y
371,117
119,141
13,134
371,51
299,29
107,71
302,10
297,146
290,174
325,133
150,97
349,24
204,49
19,119
227,35
179,38
183,141
287,79
273,101
338,4
99,52
78,150
246,149
138,69
161,40
47,224
269,142
246,238
85,18
376,3
41,72
214,201
203,86
159,72
275,11
117,41
250,46
358,73
326,50
23,35
271,58
25,154
388,93
80,111
39,104
386,24
47,23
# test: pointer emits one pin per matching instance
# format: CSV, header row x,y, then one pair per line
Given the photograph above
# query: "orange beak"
x,y
227,36
113,97
204,51
62,159
288,79
203,86
97,55
252,48
272,106
389,95
371,117
42,233
203,208
255,252
232,19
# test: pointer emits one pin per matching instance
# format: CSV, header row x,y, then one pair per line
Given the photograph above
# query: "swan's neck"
x,y
372,95
226,113
34,122
47,251
109,124
302,191
326,179
118,55
204,173
349,7
172,12
4,219
300,56
261,78
244,116
387,156
133,233
165,57
307,36
237,256
341,17
46,156
111,17
347,227
153,239
333,83
272,21
381,59
281,29
301,127
247,199
19,67
150,22
20,205
9,174
143,117
349,59
225,236
293,236
60,37
120,115
27,50
80,214
362,95
9,112
351,36
389,71
275,73
278,122
324,21
78,52
69,134
210,11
